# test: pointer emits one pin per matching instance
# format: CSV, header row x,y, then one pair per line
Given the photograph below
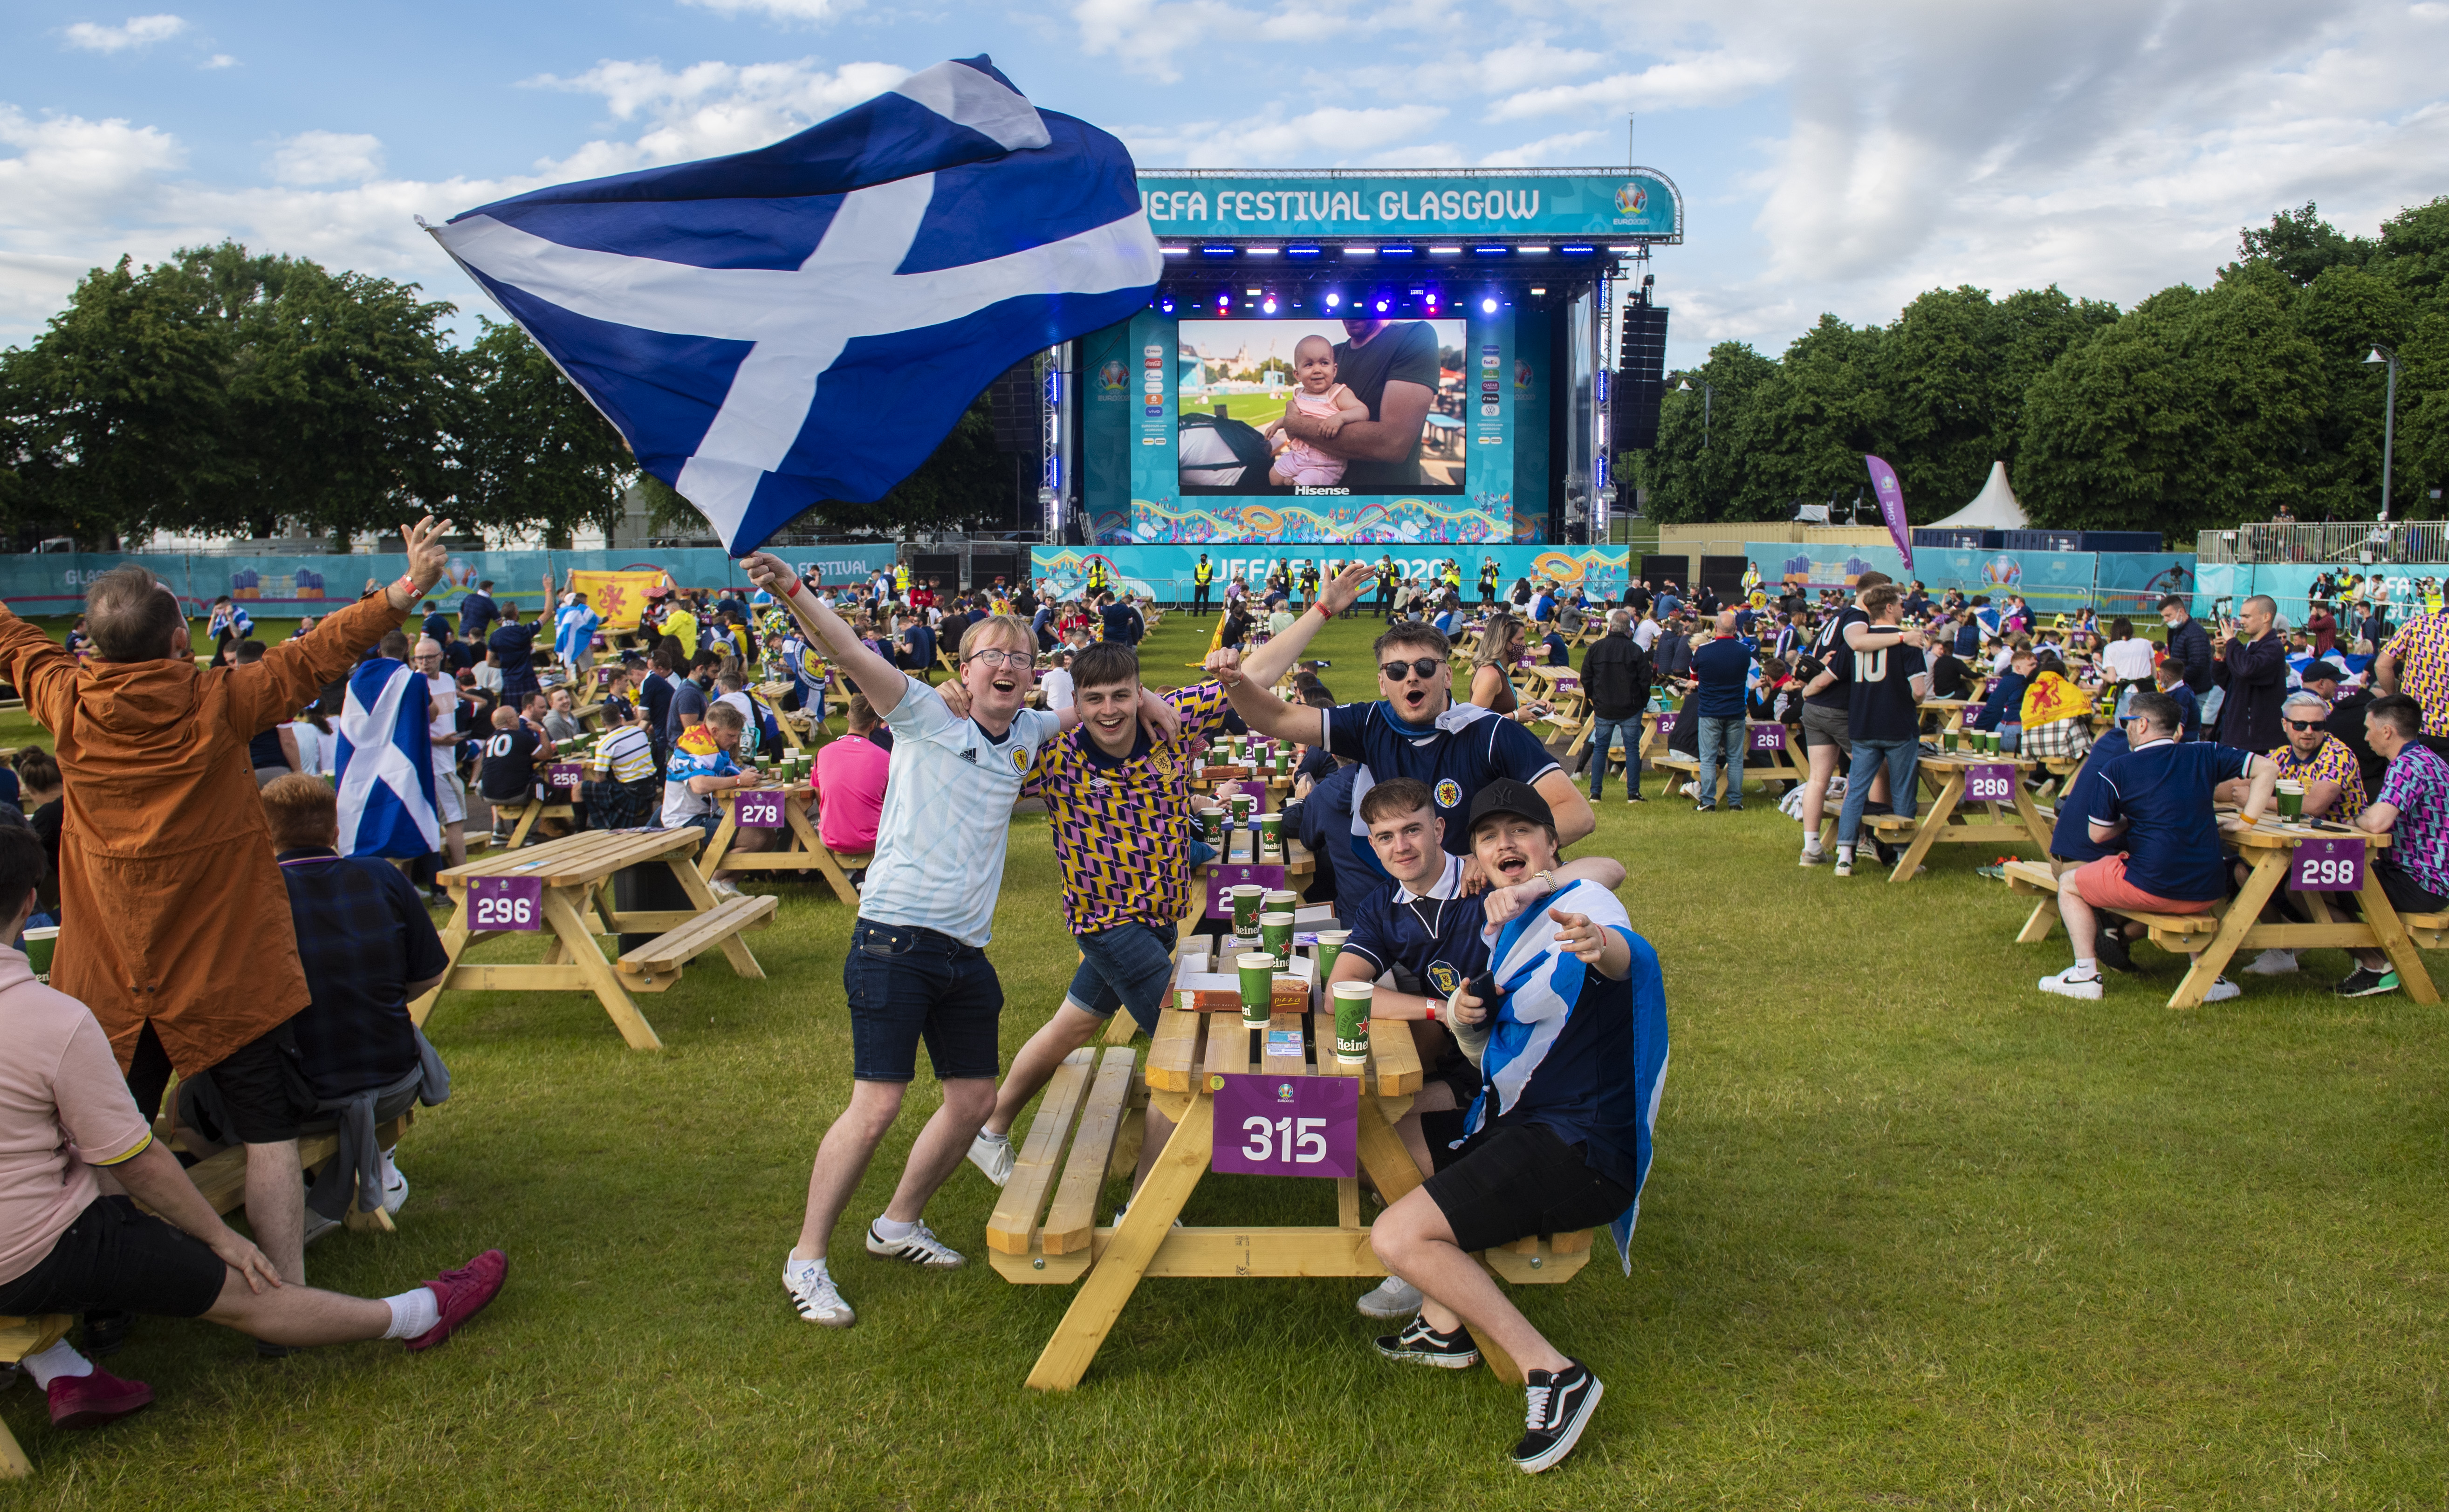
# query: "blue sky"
x,y
1835,155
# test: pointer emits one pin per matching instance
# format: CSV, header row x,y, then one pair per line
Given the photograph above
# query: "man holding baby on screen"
x,y
1390,367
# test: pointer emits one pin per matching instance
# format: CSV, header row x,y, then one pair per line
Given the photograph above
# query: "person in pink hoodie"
x,y
65,1246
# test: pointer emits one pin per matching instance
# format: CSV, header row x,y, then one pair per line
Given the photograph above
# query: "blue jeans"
x,y
1606,731
908,985
1722,744
1130,966
1900,756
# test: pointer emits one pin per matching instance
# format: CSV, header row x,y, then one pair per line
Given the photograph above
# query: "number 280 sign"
x,y
1286,1126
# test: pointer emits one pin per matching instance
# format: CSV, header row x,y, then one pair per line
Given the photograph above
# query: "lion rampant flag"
x,y
619,597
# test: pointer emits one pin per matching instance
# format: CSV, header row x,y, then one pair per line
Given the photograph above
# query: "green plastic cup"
x,y
1329,946
1276,938
1211,821
1246,896
1947,742
2291,800
1271,833
39,945
1277,901
1258,971
1351,1021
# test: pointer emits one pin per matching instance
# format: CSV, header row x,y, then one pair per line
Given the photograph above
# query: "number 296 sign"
x,y
1286,1126
1990,784
505,903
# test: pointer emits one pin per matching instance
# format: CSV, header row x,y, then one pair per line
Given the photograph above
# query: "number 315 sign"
x,y
1286,1126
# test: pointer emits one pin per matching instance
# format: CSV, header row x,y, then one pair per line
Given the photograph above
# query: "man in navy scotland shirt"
x,y
1721,667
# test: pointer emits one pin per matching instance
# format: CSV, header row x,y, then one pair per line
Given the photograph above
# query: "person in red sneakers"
x,y
65,1115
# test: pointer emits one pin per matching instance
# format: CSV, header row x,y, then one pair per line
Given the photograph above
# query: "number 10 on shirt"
x,y
505,903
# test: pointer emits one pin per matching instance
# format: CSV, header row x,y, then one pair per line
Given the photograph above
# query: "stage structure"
x,y
1491,290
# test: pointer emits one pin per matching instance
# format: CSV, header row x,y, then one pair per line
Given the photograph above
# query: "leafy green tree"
x,y
2302,245
1696,472
526,450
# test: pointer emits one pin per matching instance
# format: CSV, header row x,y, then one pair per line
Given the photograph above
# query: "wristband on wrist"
x,y
407,584
1431,1002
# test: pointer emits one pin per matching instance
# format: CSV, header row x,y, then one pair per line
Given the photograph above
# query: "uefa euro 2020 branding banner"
x,y
1165,572
2119,581
1565,203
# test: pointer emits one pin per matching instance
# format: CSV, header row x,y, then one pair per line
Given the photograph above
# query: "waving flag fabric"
x,y
387,764
808,320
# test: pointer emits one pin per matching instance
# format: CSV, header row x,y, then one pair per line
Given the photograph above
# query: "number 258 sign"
x,y
505,903
1279,1125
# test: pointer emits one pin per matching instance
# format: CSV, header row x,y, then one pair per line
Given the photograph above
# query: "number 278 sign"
x,y
1286,1126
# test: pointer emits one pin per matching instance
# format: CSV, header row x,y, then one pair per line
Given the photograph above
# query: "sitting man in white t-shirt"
x,y
65,1115
1056,680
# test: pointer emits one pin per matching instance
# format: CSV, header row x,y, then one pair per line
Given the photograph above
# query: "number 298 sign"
x,y
1286,1126
2327,866
505,903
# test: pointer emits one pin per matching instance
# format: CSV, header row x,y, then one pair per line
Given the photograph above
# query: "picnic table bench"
x,y
576,909
2010,819
20,1337
800,849
1787,763
1087,1132
525,814
2237,924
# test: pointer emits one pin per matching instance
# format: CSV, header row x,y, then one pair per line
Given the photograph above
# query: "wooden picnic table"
x,y
1297,860
801,850
1790,763
1951,818
577,909
1030,1243
1950,713
2271,848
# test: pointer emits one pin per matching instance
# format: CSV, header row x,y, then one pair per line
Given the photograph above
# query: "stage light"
x,y
1333,298
1433,298
1488,305
1301,252
1252,292
1381,307
1268,308
1539,291
1223,300
1165,307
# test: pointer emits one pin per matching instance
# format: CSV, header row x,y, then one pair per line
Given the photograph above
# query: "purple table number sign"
x,y
2327,866
761,809
1666,722
1990,784
505,903
1767,737
1286,1126
566,775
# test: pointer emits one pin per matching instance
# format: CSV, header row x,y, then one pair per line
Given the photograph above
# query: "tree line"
x,y
228,392
2196,409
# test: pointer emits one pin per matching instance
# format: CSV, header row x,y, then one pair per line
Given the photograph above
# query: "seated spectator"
x,y
2055,714
560,720
849,779
368,949
2004,709
1949,676
66,1115
1559,654
2333,789
2412,808
1056,680
701,766
2156,799
508,774
2169,675
1572,1049
43,796
627,795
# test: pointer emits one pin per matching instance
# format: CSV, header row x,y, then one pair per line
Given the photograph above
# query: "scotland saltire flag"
x,y
387,763
807,321
1541,985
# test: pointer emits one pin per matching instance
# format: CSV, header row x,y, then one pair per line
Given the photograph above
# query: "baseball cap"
x,y
1505,795
2321,672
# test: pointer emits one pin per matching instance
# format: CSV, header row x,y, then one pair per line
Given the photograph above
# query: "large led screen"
x,y
1263,407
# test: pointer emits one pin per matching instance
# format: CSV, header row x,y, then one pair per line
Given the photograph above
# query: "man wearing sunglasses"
x,y
2334,788
1414,730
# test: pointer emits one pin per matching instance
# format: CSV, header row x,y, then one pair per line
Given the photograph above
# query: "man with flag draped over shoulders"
x,y
178,930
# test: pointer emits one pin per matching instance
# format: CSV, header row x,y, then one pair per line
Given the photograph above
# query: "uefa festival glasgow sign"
x,y
1240,204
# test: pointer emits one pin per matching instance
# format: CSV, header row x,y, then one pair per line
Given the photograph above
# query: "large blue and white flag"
x,y
1542,985
387,763
807,321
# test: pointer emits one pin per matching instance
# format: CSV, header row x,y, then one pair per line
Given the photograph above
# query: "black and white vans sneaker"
x,y
1560,1404
1419,1344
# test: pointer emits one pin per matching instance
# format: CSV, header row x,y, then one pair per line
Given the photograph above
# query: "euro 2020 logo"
x,y
1109,378
1631,200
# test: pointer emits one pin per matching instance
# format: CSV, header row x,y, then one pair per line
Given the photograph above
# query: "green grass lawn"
x,y
1917,1236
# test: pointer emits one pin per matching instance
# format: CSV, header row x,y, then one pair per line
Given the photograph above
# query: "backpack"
x,y
1221,453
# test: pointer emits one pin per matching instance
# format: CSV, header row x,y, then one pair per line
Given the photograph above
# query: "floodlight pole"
x,y
2389,421
1683,385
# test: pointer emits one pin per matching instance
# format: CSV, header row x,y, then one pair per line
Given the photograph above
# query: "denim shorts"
x,y
1130,966
906,984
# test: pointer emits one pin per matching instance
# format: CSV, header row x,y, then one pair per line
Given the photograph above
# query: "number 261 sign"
x,y
505,903
1286,1126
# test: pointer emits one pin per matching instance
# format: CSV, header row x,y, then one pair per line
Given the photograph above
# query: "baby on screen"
x,y
1323,399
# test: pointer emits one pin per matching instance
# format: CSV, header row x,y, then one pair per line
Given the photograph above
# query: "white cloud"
x,y
708,108
1145,36
809,12
326,156
138,32
1565,149
1333,136
1715,78
218,60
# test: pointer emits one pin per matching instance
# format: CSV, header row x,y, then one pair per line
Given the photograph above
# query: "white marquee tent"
x,y
1993,508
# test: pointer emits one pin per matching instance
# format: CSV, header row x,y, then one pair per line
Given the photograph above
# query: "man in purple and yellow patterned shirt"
x,y
1120,806
2416,662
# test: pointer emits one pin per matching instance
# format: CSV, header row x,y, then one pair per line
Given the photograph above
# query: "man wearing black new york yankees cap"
x,y
1568,1026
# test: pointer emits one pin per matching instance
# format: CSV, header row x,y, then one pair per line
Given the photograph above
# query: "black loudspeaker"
x,y
1640,380
1014,399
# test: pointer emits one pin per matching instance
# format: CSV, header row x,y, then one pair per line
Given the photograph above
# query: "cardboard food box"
x,y
1199,988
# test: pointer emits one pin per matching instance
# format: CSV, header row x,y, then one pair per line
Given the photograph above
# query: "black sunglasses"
x,y
1425,668
2304,724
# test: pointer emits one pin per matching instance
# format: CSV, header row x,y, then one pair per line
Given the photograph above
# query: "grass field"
x,y
1917,1236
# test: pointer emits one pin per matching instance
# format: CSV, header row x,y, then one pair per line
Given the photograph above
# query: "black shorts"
x,y
259,1090
114,1258
1511,1183
2406,894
